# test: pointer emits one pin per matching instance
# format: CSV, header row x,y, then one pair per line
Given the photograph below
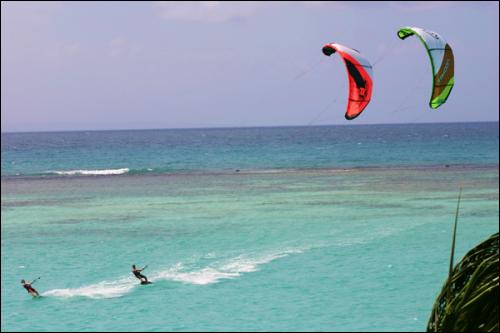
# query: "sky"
x,y
140,65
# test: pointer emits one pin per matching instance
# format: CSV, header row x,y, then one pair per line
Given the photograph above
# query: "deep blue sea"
x,y
329,228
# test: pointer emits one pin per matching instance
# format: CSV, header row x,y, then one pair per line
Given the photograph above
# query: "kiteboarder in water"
x,y
137,273
29,288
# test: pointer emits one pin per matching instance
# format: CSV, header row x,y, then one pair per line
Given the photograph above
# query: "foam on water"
x,y
227,269
92,172
104,289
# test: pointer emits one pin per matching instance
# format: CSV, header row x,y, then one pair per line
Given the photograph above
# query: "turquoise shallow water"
x,y
280,245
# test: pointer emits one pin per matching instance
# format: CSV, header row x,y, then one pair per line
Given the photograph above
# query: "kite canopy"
x,y
442,62
360,75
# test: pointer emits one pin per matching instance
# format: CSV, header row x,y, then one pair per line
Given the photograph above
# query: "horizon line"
x,y
241,127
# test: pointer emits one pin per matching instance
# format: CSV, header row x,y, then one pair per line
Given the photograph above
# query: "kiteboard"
x,y
146,282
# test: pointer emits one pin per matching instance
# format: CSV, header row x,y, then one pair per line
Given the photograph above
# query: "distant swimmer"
x,y
137,273
29,288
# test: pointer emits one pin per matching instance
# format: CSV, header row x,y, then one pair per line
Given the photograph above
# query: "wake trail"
x,y
213,273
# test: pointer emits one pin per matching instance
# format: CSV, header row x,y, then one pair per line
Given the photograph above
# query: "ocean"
x,y
321,228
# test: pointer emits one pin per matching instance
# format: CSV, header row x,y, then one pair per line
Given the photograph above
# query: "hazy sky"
x,y
112,65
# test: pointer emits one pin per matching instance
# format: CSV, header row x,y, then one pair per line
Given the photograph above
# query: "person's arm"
x,y
144,268
38,278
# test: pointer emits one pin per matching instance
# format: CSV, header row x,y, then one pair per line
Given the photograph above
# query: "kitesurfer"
x,y
27,285
137,273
